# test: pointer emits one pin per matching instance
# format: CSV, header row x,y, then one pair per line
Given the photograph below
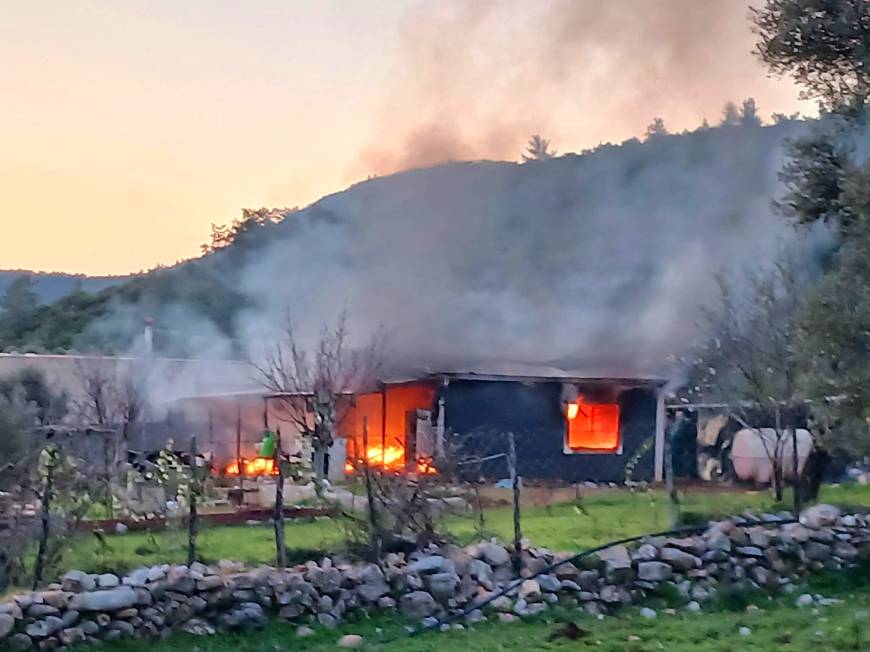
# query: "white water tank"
x,y
753,449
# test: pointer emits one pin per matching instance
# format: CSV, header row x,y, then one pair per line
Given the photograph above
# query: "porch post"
x,y
660,435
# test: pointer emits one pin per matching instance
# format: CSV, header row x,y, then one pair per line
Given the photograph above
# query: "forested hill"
x,y
51,286
609,249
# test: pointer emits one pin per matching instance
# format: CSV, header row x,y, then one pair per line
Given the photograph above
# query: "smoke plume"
x,y
599,262
475,79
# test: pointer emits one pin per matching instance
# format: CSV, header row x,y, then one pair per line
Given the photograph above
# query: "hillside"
x,y
51,286
601,259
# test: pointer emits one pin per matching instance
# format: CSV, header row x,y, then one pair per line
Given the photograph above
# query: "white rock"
x,y
7,624
304,632
819,516
530,590
121,597
120,528
443,585
681,561
76,580
744,631
616,555
138,577
426,565
694,606
648,613
108,581
654,571
495,555
350,640
417,604
804,600
549,583
198,627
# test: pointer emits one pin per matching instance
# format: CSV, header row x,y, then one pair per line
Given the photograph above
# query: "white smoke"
x,y
599,262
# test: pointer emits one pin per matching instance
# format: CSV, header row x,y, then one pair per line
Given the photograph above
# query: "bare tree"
x,y
95,405
131,401
113,396
752,361
18,452
111,402
314,386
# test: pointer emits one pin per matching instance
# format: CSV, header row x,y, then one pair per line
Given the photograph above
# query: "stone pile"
x,y
429,584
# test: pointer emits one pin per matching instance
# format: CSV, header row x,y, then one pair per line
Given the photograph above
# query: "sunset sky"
x,y
126,128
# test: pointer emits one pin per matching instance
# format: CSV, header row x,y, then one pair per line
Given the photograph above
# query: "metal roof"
x,y
492,373
542,373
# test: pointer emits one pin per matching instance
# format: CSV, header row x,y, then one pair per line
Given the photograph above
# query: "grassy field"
x,y
776,624
596,517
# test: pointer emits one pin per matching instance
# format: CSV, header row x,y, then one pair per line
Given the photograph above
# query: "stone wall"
x,y
429,584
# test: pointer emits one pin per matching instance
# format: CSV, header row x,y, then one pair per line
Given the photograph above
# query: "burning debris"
x,y
257,467
390,459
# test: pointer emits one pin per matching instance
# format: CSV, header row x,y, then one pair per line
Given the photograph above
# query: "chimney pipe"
x,y
149,335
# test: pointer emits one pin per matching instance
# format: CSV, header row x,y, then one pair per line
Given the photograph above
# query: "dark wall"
x,y
478,412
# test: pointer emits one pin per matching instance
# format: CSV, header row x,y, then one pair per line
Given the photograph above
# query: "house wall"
x,y
394,403
477,412
165,379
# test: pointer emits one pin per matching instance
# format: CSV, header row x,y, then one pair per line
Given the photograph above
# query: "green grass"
x,y
597,517
254,544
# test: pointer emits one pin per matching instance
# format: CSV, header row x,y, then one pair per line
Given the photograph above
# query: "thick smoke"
x,y
598,262
475,79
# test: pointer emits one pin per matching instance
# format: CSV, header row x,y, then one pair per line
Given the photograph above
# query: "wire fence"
x,y
174,506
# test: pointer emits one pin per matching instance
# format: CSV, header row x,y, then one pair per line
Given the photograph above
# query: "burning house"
x,y
568,426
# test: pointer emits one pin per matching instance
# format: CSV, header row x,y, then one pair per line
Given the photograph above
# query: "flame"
x,y
390,458
572,410
255,467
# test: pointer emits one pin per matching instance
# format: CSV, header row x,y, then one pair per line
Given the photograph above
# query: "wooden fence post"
x,y
281,549
375,535
515,485
193,517
673,500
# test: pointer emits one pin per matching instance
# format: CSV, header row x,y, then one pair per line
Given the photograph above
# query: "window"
x,y
592,427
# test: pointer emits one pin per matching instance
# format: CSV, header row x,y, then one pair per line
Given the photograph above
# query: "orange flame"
x,y
573,409
255,467
389,458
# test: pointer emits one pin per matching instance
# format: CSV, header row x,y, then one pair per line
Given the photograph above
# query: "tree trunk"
x,y
778,455
107,471
319,464
480,521
123,448
795,472
777,479
814,471
45,524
